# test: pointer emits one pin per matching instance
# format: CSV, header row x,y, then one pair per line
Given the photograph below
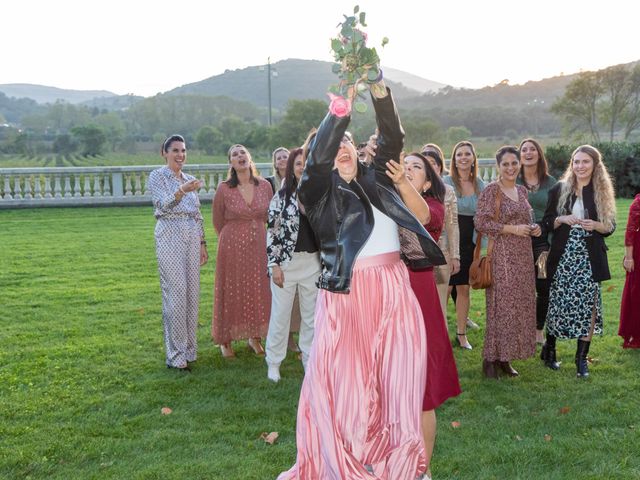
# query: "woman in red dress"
x,y
442,374
630,306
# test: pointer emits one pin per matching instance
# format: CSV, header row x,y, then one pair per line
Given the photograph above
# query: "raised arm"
x,y
316,178
390,133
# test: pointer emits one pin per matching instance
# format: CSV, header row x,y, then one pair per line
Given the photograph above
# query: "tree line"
x,y
594,106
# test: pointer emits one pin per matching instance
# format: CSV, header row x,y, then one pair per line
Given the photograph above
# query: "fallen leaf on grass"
x,y
269,438
547,438
455,424
610,288
565,410
165,411
478,313
141,311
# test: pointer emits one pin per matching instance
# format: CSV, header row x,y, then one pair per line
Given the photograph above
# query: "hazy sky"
x,y
145,47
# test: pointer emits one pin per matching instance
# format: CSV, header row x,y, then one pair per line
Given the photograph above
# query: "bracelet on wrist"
x,y
183,192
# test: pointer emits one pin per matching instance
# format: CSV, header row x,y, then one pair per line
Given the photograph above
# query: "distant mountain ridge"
x,y
44,94
291,79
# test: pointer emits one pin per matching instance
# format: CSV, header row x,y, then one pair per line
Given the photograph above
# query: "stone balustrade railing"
x,y
112,186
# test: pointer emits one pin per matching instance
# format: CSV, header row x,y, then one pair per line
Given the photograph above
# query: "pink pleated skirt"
x,y
361,399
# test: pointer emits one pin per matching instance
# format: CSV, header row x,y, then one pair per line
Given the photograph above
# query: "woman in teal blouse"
x,y
535,177
464,179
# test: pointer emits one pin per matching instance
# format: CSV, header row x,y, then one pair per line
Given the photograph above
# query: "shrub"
x,y
621,158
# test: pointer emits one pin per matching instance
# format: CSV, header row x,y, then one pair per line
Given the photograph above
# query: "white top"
x,y
578,209
384,237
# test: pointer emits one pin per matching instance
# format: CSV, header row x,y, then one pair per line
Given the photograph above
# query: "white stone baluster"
x,y
57,190
212,183
96,185
7,188
146,183
17,190
47,186
138,185
76,186
27,188
127,186
38,191
87,186
67,187
107,186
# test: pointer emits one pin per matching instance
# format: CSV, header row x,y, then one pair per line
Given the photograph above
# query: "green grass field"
x,y
83,379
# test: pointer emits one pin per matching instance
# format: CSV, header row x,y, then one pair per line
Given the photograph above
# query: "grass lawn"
x,y
83,380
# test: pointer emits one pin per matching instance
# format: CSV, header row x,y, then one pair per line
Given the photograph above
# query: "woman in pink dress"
x,y
242,304
359,409
630,306
442,374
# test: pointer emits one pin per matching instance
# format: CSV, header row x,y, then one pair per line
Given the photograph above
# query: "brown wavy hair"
x,y
542,168
232,175
453,170
603,192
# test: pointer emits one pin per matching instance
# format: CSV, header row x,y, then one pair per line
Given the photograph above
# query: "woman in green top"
x,y
535,177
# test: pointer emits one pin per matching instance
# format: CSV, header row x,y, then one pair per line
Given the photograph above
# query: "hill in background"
x,y
43,94
291,79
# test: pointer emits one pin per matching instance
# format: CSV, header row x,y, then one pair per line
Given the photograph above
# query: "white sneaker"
x,y
273,373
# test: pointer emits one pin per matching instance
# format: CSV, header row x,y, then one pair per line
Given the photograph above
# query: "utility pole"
x,y
269,85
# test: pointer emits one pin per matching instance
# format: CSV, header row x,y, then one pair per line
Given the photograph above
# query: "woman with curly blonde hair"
x,y
581,212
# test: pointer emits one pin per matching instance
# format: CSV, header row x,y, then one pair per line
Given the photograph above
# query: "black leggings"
x,y
540,245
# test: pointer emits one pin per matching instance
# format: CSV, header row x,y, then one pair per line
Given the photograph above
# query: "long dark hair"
x,y
437,189
232,175
290,182
542,169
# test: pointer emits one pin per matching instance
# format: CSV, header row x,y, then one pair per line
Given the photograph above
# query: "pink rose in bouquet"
x,y
339,106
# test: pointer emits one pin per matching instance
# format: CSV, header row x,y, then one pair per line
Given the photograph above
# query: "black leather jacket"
x,y
340,213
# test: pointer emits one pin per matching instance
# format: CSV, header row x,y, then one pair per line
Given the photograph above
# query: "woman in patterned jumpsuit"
x,y
181,251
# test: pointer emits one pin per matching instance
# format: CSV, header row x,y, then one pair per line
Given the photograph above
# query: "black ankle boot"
x,y
548,353
582,366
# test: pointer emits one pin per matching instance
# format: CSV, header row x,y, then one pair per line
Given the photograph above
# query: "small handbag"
x,y
480,275
541,265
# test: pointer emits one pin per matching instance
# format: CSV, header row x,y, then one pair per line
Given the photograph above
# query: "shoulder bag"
x,y
480,270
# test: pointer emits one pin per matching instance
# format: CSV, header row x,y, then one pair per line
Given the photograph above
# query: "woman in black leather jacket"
x,y
360,404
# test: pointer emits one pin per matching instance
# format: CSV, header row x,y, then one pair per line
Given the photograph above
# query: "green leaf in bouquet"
x,y
360,107
356,9
361,88
362,15
385,40
336,67
357,36
372,74
336,45
335,89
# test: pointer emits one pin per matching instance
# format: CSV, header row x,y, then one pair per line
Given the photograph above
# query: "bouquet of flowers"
x,y
356,64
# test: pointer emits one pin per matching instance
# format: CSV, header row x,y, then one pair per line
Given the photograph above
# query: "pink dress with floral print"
x,y
242,303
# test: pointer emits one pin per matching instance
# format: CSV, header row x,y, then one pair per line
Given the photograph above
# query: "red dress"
x,y
442,374
630,306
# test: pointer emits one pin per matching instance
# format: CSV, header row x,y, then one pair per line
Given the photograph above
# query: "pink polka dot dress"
x,y
242,303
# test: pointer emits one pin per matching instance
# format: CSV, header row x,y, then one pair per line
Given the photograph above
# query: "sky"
x,y
146,47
